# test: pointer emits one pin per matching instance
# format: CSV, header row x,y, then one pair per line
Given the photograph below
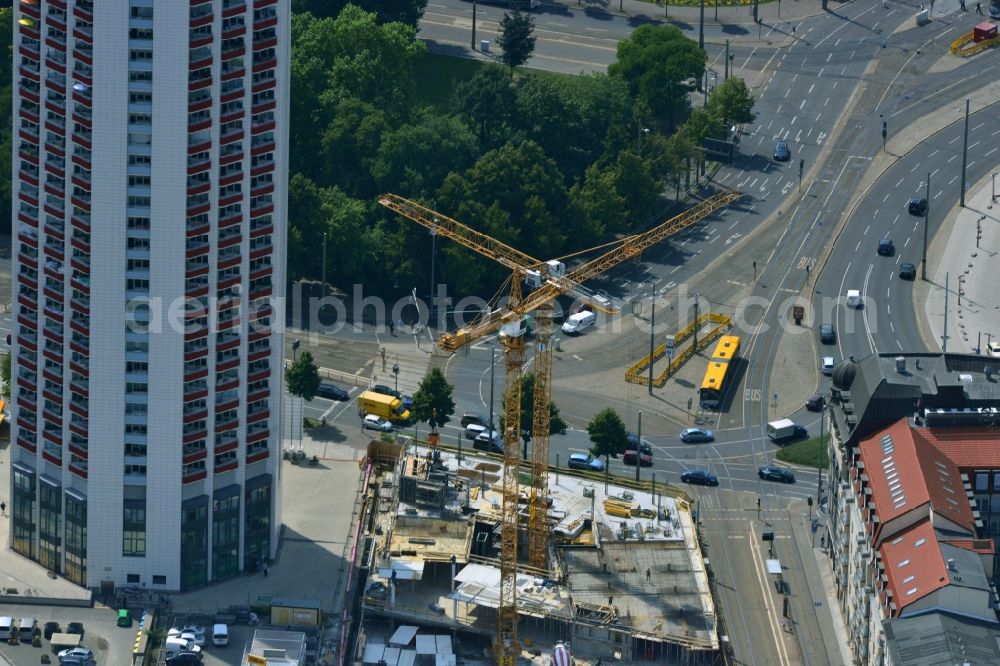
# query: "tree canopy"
x,y
302,376
432,403
516,38
403,11
556,424
608,434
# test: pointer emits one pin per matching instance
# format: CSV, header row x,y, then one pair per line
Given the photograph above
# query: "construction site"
x,y
626,579
520,559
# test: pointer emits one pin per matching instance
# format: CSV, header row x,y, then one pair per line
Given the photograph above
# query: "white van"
x,y
6,627
853,298
220,634
27,629
175,644
578,322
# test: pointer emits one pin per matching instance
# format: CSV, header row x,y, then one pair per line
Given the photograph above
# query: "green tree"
x,y
5,373
515,194
556,424
487,101
516,38
404,11
607,432
597,206
731,103
432,403
414,159
302,377
636,185
659,63
349,146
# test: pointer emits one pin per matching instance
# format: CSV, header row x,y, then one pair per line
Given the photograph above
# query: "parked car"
x,y
81,652
407,402
75,628
184,659
332,392
781,151
385,390
917,206
700,477
827,334
826,366
51,628
373,422
907,271
474,418
585,461
993,349
695,435
886,248
775,473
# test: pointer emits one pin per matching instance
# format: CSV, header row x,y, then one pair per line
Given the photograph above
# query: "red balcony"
x,y
255,335
194,149
262,292
238,31
195,416
258,436
226,406
233,53
79,471
194,476
226,447
227,386
232,95
78,409
260,375
203,20
195,375
228,282
258,416
23,443
194,436
226,346
194,455
229,159
227,467
199,166
82,57
77,429
259,394
227,365
257,457
195,333
52,458
263,106
227,426
73,448
264,66
52,437
198,84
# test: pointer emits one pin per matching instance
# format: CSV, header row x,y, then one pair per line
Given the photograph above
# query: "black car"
x,y
184,659
332,392
385,390
815,402
700,477
917,206
51,628
827,335
886,248
781,152
907,271
775,473
474,418
75,628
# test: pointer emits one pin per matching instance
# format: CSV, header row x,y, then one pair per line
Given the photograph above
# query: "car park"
x,y
781,151
586,462
826,365
51,628
332,392
917,206
473,418
373,422
907,271
827,334
886,248
815,402
696,435
699,477
776,473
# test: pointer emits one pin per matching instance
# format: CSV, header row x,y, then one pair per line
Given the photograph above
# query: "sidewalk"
x,y
819,573
968,267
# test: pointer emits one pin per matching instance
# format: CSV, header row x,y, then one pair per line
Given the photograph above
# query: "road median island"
x,y
805,454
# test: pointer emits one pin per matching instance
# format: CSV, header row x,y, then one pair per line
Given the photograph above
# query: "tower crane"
x,y
507,319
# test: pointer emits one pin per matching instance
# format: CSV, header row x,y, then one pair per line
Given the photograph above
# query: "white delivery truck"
x,y
783,430
576,324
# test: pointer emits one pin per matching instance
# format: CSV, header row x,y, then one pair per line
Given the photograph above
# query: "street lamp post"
x,y
927,214
493,357
323,283
395,371
820,466
473,25
433,252
701,27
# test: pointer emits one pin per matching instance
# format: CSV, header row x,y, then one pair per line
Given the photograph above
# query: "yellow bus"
x,y
719,371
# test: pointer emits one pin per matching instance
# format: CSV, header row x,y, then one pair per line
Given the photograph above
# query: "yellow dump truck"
x,y
383,405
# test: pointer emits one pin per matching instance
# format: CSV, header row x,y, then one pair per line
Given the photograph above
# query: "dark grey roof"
x,y
886,387
937,639
844,373
967,593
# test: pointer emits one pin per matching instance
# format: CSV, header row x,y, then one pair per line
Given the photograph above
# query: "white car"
x,y
81,653
993,349
187,629
827,365
373,422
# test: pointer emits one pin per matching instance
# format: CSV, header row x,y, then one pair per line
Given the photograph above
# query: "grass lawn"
x,y
437,76
805,453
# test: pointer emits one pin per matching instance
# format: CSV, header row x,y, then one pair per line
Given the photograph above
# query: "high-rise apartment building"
x,y
149,191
